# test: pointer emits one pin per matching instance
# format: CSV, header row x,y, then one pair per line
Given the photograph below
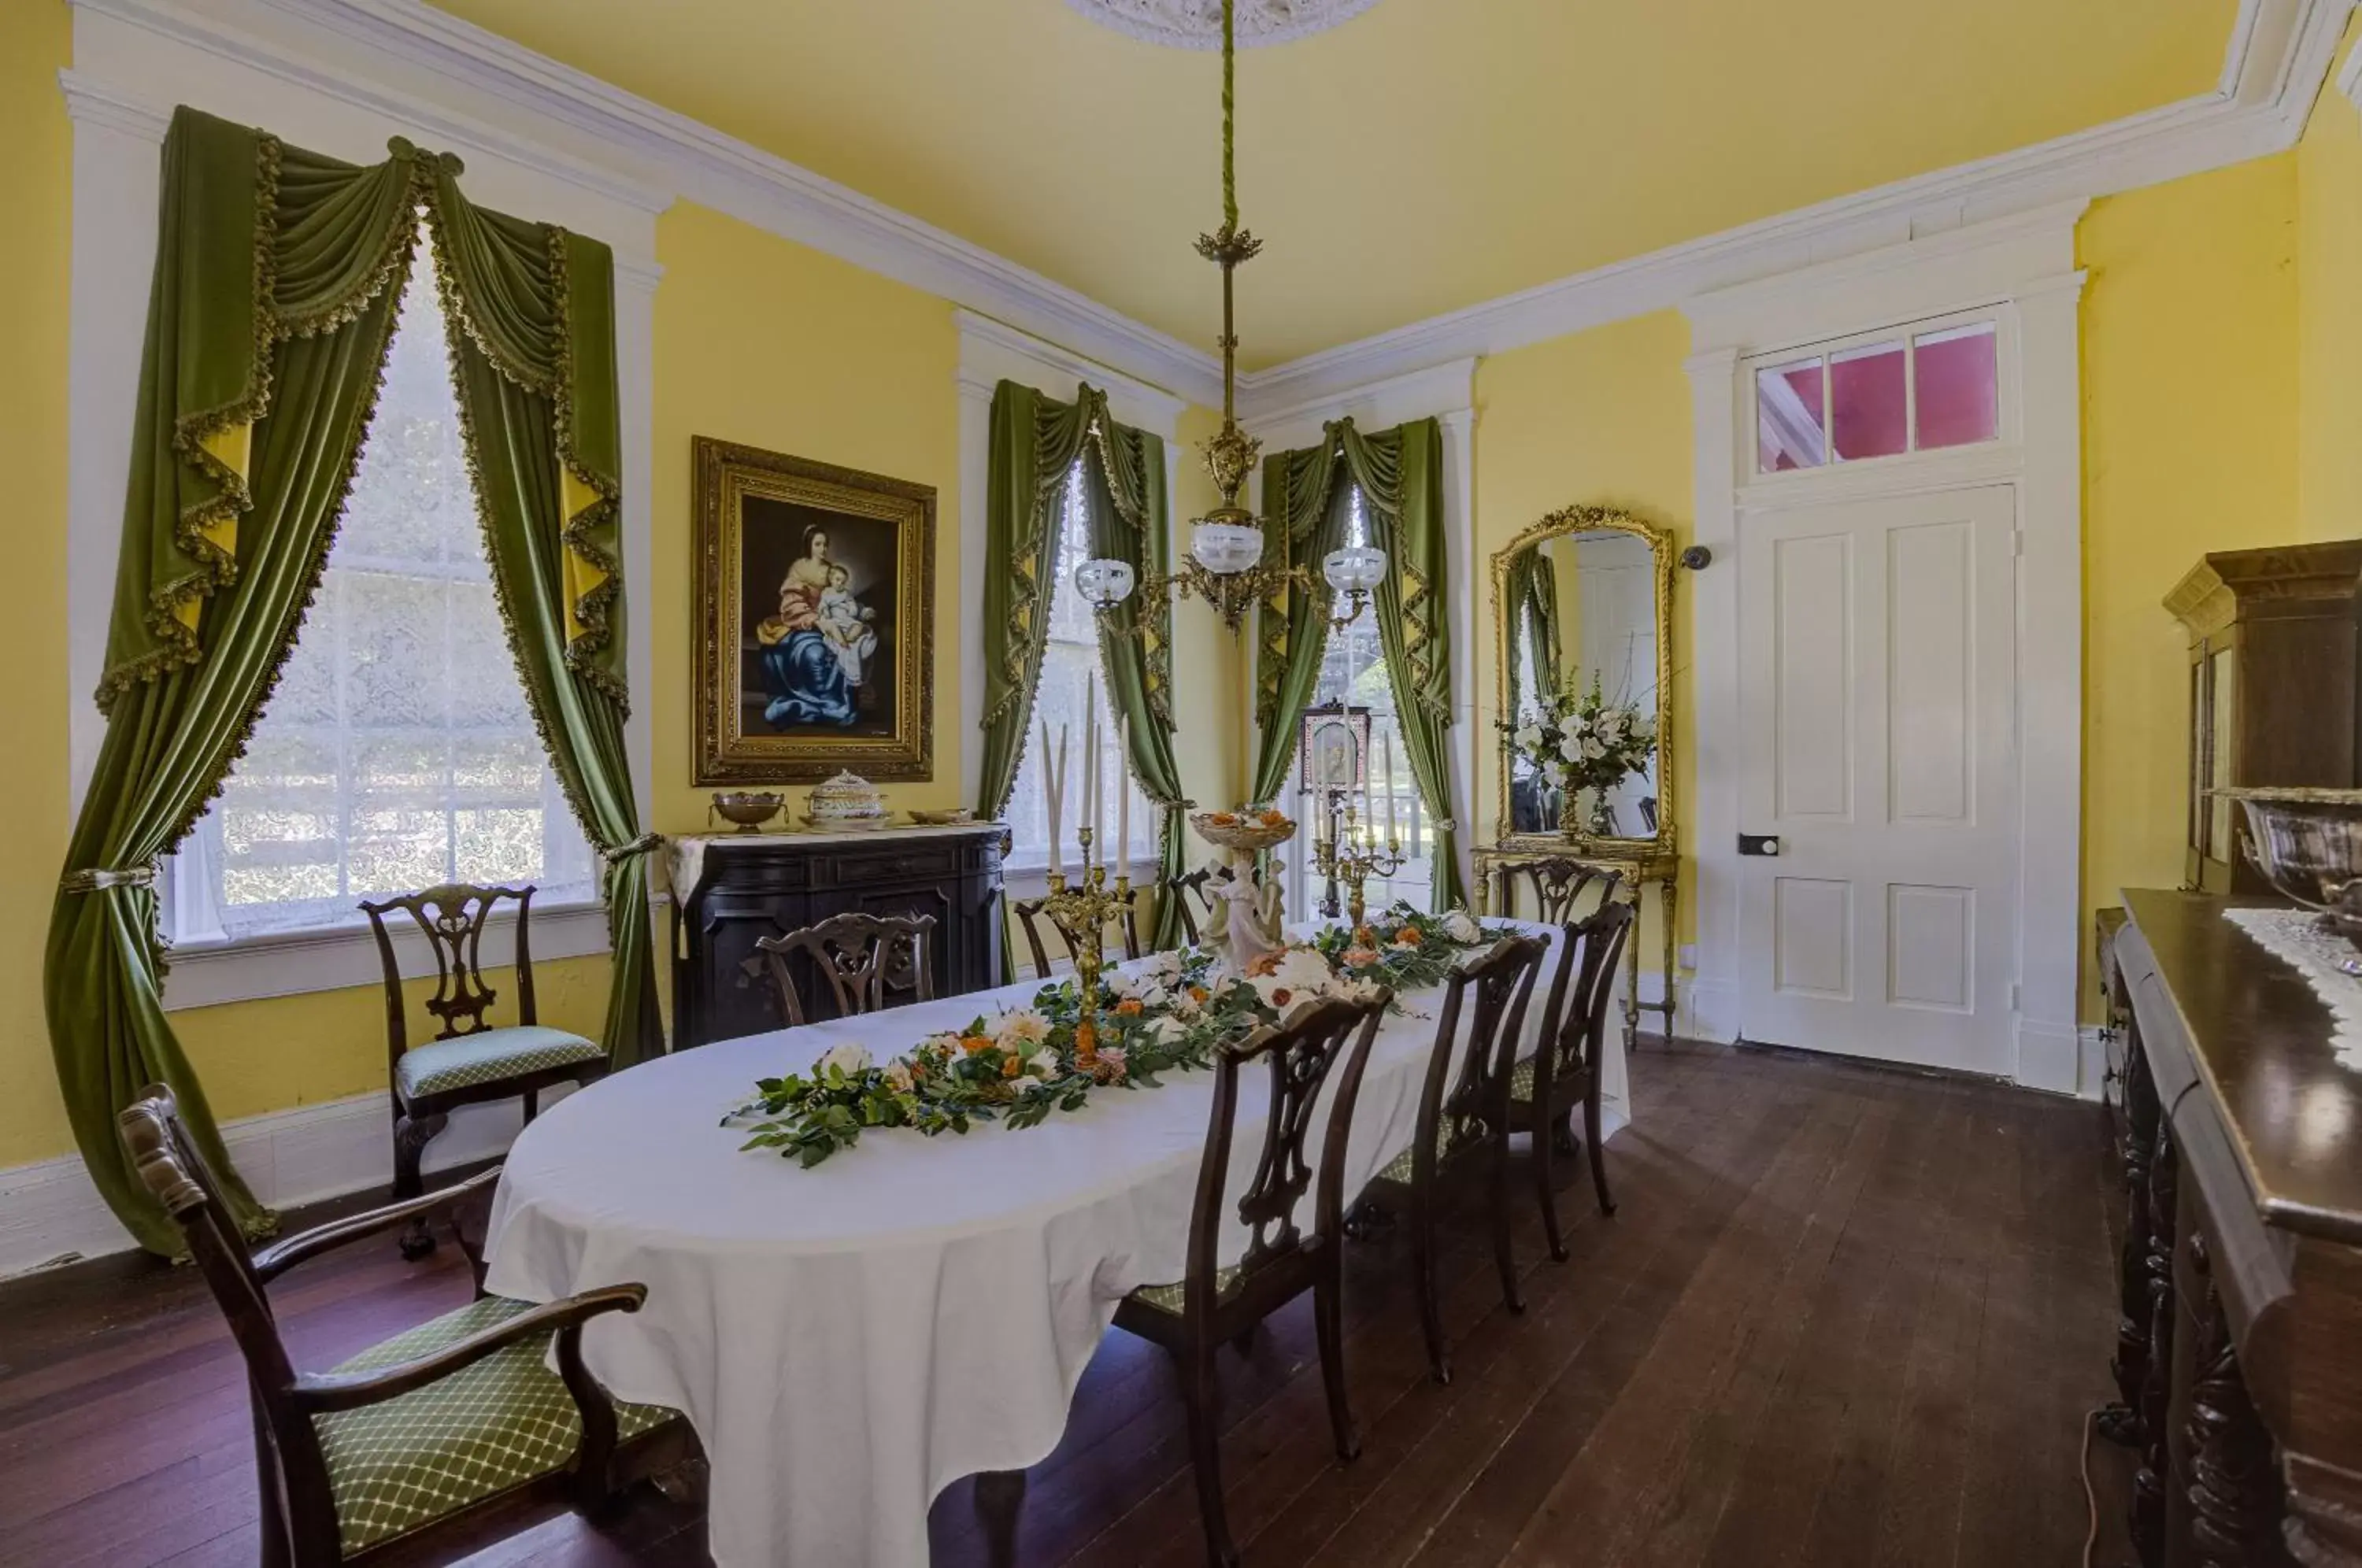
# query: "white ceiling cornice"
x,y
1197,24
2279,53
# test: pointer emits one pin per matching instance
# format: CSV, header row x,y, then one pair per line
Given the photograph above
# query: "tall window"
x,y
1353,670
1069,658
398,751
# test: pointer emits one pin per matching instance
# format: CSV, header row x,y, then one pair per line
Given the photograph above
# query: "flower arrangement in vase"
x,y
1586,743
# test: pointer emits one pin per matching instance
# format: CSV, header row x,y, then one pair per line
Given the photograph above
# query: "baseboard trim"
x,y
2049,1057
51,1214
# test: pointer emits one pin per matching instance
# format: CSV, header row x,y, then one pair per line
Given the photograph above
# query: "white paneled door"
x,y
1877,684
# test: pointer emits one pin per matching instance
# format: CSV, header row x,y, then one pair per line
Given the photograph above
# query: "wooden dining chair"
x,y
1188,892
1464,1115
1559,886
864,958
1563,1071
1032,914
1210,1306
469,1060
411,1442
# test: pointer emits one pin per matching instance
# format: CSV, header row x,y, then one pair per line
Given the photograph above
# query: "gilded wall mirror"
x,y
1582,606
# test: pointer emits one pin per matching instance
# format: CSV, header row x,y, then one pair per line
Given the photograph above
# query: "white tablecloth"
x,y
848,1341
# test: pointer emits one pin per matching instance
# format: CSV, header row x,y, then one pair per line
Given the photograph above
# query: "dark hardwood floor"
x,y
1845,1315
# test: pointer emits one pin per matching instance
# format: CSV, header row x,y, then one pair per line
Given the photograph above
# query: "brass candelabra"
x,y
1343,857
1080,910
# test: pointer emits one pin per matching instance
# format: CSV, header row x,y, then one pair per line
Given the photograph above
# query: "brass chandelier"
x,y
1225,566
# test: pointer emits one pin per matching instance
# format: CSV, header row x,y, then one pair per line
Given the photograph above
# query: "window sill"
x,y
335,958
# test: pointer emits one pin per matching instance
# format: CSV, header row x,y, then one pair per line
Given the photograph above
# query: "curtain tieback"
x,y
640,845
98,879
1170,803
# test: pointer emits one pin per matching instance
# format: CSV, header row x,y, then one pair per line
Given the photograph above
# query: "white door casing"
x,y
1876,673
2020,274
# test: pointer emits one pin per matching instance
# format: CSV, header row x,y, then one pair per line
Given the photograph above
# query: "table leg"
x,y
1671,899
1632,978
999,1494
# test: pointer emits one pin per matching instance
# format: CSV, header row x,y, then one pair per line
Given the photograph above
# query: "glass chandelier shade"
x,y
1356,569
1104,582
1225,547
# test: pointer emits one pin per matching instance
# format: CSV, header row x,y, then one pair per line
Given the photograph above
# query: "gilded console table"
x,y
2239,1339
1644,864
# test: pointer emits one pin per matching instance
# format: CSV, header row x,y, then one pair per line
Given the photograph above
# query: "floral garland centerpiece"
x,y
1018,1066
1586,743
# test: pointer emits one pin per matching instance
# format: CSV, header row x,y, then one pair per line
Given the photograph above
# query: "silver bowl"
x,y
2308,845
749,809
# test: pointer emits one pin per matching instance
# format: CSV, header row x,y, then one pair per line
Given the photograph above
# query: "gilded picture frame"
x,y
815,597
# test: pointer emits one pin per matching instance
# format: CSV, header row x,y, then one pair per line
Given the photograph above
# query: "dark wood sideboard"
x,y
2239,1347
730,888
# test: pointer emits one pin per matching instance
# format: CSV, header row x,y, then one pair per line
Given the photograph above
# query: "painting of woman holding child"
x,y
816,590
816,649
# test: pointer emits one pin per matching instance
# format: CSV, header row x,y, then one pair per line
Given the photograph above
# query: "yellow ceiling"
x,y
1429,155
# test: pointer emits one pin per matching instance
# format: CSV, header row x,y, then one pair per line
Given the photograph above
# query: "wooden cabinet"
x,y
2274,693
731,888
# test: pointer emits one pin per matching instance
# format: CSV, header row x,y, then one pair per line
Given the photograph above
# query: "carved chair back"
x,y
1299,1056
1188,892
1475,1095
1032,914
861,959
286,1444
1559,886
1576,1017
452,918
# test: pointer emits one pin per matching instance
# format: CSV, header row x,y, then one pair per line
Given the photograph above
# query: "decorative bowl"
x,y
749,809
2308,845
1249,828
847,800
950,816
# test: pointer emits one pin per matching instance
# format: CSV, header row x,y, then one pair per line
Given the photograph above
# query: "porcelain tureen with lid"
x,y
847,800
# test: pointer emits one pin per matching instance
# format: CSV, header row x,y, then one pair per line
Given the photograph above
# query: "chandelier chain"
x,y
1229,114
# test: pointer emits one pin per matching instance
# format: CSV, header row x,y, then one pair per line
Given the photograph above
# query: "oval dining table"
x,y
849,1340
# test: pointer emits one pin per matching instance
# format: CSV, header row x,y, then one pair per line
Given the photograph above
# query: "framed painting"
x,y
815,595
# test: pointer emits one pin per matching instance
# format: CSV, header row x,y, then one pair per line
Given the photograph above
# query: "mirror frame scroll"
x,y
1587,519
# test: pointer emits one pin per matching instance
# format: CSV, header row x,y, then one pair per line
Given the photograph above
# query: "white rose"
x,y
1529,736
1355,988
1185,1005
1166,1031
1593,751
848,1059
1571,748
1164,968
1123,985
1043,1064
1460,927
897,1078
1019,1026
1026,1084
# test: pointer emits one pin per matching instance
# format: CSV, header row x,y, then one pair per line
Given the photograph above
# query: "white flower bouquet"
x,y
1586,743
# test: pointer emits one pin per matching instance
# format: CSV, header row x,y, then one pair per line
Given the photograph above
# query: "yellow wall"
x,y
2190,432
2328,316
1599,418
35,189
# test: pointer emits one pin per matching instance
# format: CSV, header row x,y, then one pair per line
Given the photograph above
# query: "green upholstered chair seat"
x,y
1167,1298
489,1057
488,1427
1400,1170
1521,1082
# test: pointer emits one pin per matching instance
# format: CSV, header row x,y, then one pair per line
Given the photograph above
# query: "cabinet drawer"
x,y
918,863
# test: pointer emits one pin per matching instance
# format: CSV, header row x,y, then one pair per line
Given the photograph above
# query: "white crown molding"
x,y
2279,53
2349,76
2278,57
90,104
1177,24
992,351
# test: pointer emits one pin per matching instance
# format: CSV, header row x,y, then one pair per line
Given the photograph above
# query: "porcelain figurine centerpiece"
x,y
1254,910
847,800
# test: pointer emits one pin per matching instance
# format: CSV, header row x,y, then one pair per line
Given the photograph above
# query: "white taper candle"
x,y
1122,792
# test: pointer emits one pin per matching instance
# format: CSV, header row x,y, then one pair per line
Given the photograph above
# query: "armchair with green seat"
x,y
417,1434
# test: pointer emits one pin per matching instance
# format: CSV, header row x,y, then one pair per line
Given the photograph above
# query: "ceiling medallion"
x,y
1197,24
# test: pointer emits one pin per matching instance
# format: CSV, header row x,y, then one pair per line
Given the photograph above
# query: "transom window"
x,y
1070,657
398,750
1907,392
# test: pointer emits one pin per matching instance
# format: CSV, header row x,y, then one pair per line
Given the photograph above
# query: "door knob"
x,y
1766,843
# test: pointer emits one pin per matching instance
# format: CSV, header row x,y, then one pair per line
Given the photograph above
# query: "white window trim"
x,y
2021,270
119,95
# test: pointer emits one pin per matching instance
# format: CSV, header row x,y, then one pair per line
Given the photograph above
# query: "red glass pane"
x,y
1959,382
1790,423
1869,416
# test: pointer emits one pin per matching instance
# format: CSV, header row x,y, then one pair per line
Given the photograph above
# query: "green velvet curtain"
x,y
1401,475
536,373
1532,608
277,276
1124,470
1035,441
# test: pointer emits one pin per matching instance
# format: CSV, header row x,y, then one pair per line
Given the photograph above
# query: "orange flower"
x,y
1274,819
1408,937
975,1042
1197,993
1281,995
1360,957
1129,1007
1222,819
1012,1067
1363,936
1263,963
